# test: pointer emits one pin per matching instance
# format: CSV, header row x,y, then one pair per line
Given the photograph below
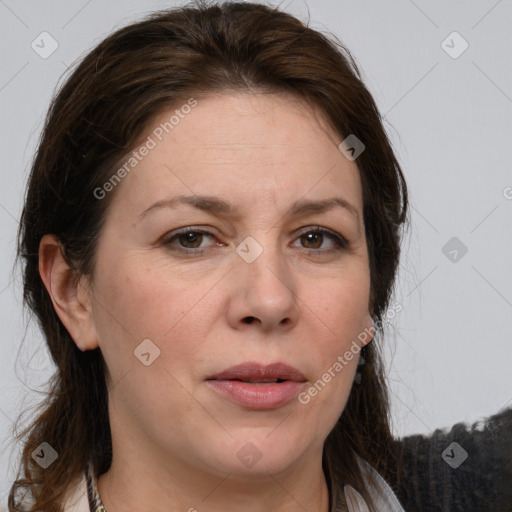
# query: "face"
x,y
245,268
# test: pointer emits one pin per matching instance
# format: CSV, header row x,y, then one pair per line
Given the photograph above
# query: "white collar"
x,y
381,493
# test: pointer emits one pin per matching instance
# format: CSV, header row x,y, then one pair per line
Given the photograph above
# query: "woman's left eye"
x,y
190,240
316,237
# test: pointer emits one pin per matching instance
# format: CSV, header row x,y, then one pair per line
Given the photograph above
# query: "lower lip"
x,y
257,396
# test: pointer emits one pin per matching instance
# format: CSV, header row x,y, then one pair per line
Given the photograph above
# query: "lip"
x,y
260,396
255,371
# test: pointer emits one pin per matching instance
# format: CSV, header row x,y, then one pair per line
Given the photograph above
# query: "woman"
x,y
210,240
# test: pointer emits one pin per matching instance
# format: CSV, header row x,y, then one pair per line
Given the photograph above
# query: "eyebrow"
x,y
215,205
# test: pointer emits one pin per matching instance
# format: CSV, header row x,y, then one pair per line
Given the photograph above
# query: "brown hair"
x,y
96,118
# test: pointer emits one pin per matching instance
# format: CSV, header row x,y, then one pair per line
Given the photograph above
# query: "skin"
x,y
175,441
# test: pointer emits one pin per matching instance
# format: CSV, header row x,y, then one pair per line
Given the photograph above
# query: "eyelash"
x,y
340,242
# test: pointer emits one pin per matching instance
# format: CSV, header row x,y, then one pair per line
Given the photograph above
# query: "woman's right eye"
x,y
186,240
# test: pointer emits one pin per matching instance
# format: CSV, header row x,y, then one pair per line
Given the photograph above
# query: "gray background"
x,y
450,120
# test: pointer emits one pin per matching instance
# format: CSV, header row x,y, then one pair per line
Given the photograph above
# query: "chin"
x,y
260,454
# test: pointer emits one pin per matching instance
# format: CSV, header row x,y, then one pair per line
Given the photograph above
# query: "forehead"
x,y
242,146
244,122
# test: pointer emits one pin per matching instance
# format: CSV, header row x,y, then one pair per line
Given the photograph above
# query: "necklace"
x,y
95,503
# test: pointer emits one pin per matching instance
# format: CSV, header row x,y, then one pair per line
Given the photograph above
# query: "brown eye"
x,y
187,240
313,237
190,240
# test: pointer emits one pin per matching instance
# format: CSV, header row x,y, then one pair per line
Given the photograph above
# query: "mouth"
x,y
258,381
255,386
258,373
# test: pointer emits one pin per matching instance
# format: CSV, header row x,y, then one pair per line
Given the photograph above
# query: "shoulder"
x,y
465,469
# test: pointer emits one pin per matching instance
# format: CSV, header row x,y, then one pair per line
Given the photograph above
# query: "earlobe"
x,y
70,300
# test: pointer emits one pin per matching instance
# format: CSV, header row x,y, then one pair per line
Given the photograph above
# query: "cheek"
x,y
148,302
164,305
324,400
341,306
343,309
140,304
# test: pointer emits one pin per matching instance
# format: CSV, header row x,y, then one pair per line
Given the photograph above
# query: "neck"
x,y
141,484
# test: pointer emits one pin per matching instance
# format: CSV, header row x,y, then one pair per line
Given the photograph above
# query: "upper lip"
x,y
259,372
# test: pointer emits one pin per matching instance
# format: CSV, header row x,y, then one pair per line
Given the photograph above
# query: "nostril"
x,y
248,319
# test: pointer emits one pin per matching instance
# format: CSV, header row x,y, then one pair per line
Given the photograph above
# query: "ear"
x,y
68,292
367,331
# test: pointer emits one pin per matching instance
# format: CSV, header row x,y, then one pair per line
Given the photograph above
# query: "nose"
x,y
263,291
